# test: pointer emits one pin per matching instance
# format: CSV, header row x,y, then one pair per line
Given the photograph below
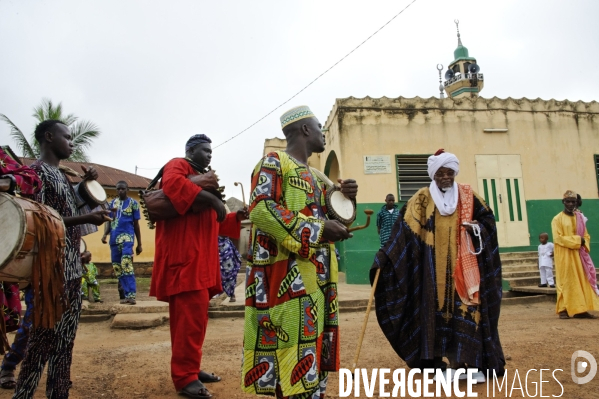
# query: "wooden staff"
x,y
376,280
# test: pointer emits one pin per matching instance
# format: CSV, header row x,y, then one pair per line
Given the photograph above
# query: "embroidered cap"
x,y
570,194
296,114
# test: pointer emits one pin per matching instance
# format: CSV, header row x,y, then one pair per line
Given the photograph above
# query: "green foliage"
x,y
83,132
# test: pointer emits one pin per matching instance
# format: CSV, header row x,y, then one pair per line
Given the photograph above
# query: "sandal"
x,y
208,378
584,315
195,389
232,299
7,379
563,315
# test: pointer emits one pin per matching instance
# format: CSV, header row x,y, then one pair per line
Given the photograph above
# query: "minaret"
x,y
441,94
463,77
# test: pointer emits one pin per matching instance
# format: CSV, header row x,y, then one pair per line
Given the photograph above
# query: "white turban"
x,y
442,160
447,201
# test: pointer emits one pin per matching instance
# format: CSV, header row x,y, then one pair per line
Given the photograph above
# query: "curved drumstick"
x,y
368,213
242,193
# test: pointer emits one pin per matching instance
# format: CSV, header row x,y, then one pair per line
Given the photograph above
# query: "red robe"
x,y
186,255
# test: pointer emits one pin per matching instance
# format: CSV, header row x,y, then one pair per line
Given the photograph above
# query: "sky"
x,y
152,73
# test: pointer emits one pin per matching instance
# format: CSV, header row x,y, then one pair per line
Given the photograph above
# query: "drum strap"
x,y
70,172
47,274
161,171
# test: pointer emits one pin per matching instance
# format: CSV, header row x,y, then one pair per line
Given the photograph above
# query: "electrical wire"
x,y
318,77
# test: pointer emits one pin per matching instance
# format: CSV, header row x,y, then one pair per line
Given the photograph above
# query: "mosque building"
x,y
521,155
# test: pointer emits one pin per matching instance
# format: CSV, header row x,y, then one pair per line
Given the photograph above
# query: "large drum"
x,y
18,245
92,193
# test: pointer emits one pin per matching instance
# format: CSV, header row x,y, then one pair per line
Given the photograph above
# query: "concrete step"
x,y
533,289
520,261
512,255
526,281
515,274
94,318
523,281
140,307
139,320
526,299
521,268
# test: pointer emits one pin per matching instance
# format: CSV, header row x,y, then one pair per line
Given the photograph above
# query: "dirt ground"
x,y
111,363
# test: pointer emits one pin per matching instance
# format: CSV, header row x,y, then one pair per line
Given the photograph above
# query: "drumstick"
x,y
104,206
376,280
242,193
368,213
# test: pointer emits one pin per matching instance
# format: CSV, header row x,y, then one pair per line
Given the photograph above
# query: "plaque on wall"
x,y
377,164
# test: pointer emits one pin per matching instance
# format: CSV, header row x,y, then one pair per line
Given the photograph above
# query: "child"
x,y
546,261
89,277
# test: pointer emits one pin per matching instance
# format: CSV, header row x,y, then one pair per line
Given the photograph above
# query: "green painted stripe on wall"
x,y
494,200
486,191
464,90
518,206
509,199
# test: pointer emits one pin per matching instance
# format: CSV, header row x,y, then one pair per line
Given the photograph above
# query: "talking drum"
x,y
82,246
91,192
340,207
18,246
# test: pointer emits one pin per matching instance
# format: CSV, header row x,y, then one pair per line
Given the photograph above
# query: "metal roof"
x,y
107,176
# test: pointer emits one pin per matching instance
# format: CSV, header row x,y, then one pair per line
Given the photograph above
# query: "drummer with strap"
x,y
47,344
15,178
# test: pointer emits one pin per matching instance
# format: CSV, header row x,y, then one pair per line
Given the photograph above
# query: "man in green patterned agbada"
x,y
125,223
291,336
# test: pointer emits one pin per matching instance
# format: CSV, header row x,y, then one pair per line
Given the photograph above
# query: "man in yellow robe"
x,y
574,272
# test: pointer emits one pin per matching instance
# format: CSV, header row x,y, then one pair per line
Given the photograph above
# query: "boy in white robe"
x,y
546,261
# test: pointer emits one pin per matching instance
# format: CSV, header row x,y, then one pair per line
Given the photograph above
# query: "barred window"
x,y
412,174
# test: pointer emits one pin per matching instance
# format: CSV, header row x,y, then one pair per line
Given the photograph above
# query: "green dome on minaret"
x,y
460,52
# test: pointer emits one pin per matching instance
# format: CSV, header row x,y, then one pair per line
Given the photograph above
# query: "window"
x,y
412,174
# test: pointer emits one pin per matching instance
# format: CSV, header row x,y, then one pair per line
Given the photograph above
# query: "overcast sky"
x,y
152,73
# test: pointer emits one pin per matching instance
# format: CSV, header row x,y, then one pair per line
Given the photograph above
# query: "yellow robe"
x,y
574,292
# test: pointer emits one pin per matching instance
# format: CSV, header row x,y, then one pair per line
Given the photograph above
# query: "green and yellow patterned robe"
x,y
291,337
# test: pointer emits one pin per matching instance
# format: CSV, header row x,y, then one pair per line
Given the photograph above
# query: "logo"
x,y
582,366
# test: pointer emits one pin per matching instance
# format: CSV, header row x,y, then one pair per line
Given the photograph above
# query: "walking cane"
x,y
376,280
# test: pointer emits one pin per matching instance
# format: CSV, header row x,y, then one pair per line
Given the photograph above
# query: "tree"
x,y
83,132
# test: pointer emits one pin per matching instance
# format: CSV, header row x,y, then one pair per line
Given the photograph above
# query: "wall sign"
x,y
377,164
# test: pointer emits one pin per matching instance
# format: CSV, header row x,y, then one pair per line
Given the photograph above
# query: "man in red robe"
x,y
186,270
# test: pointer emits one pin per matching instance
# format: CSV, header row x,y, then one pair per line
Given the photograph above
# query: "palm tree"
x,y
83,132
